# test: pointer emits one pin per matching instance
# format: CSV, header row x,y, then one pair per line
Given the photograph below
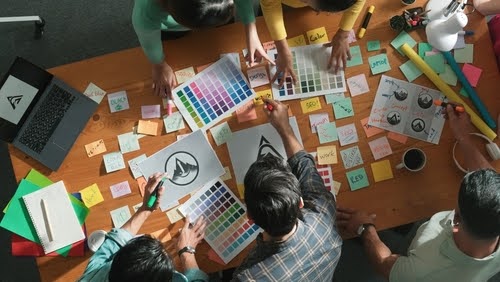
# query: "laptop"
x,y
41,115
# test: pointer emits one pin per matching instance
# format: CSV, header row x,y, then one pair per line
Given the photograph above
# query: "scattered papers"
x,y
423,47
397,137
380,147
330,98
94,92
357,179
246,112
370,130
150,111
118,101
401,39
356,57
174,215
91,195
327,155
258,76
95,148
120,216
226,175
358,85
373,45
449,75
464,55
173,122
184,75
268,93
317,35
327,132
382,170
436,62
147,127
221,133
120,189
128,142
410,70
347,134
134,168
317,119
113,161
472,74
310,105
351,157
298,40
343,108
379,64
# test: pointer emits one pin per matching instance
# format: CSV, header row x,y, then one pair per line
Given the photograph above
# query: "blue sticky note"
x,y
357,179
327,132
330,98
410,70
356,58
422,48
436,62
379,63
401,39
343,108
373,45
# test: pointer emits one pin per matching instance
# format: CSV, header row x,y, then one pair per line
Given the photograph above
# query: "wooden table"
x,y
406,198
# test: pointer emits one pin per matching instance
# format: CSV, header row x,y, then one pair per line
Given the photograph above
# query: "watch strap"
x,y
365,226
186,249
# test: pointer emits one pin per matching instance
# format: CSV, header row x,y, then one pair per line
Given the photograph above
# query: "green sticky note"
x,y
410,70
449,75
464,55
221,133
464,93
379,63
330,98
422,48
401,39
356,58
436,62
373,45
38,179
343,108
327,132
357,179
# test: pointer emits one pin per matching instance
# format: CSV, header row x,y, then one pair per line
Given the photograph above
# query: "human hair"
x,y
272,195
141,259
200,13
479,203
332,5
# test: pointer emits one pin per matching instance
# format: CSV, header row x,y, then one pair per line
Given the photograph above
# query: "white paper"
x,y
134,167
94,92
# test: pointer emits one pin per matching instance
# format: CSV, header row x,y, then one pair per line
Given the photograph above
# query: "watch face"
x,y
361,228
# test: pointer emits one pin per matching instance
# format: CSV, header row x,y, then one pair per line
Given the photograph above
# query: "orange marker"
x,y
459,109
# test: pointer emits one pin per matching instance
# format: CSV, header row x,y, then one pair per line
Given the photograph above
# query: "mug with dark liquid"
x,y
414,159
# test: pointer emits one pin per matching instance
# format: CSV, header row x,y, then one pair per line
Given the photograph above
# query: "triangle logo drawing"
x,y
14,100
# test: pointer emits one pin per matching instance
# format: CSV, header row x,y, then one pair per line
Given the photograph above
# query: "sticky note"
x,y
347,134
370,130
269,45
95,148
91,195
221,133
449,75
138,135
136,207
310,105
246,112
373,45
358,85
241,190
382,170
113,161
330,98
336,188
94,92
134,165
351,37
120,189
356,57
327,155
128,142
402,38
343,108
202,67
433,52
268,93
463,92
317,35
162,235
184,75
379,64
472,74
173,122
118,101
317,119
298,40
423,47
351,157
174,215
380,147
120,216
397,137
464,55
147,127
327,132
141,183
257,76
410,70
436,62
357,179
227,174
150,111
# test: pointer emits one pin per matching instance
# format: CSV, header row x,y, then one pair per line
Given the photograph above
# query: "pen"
x,y
46,217
154,195
459,109
362,31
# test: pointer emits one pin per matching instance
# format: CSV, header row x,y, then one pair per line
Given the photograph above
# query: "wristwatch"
x,y
363,227
186,249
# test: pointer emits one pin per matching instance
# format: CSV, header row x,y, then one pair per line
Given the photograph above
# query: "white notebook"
x,y
53,216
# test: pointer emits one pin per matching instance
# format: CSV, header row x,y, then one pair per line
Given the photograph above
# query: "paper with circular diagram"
x,y
408,109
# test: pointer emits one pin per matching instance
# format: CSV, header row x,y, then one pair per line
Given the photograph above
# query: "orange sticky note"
x,y
268,93
317,35
246,112
370,130
382,170
163,235
299,40
327,155
91,195
95,148
397,137
141,182
147,127
310,105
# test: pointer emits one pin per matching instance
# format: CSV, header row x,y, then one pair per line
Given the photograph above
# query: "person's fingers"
x,y
275,76
187,222
270,101
450,112
265,56
157,90
349,54
344,60
197,225
153,181
330,62
294,76
373,216
283,78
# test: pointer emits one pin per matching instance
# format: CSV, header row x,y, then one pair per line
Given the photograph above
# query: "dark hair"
x,y
272,195
141,259
200,13
333,5
479,203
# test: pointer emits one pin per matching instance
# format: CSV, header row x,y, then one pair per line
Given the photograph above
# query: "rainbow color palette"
x,y
228,231
314,79
211,95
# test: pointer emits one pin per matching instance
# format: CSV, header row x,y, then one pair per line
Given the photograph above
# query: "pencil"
x,y
46,217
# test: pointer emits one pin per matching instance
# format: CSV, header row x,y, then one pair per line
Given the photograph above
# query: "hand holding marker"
x,y
459,109
154,195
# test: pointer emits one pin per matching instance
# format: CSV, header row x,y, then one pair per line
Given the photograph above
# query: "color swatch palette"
x,y
211,95
314,79
325,171
228,231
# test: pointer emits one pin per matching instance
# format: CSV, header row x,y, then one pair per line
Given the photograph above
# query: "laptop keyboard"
x,y
46,119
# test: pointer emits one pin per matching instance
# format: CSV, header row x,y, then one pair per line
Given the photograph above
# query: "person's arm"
x,y
279,119
273,15
350,15
146,20
190,236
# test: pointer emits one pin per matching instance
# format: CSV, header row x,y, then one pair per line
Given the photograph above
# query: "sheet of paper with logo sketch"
x,y
380,147
258,76
15,97
134,167
351,157
94,92
347,134
118,101
407,109
190,162
95,148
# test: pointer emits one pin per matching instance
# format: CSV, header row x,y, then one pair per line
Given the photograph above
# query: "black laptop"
x,y
41,115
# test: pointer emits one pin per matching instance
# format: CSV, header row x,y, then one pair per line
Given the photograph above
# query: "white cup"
x,y
413,159
95,240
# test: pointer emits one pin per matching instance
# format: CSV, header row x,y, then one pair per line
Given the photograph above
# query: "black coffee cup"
x,y
414,159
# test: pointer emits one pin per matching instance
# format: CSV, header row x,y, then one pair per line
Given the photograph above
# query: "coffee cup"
x,y
95,240
413,159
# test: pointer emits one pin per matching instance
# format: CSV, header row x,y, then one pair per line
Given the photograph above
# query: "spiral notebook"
x,y
53,217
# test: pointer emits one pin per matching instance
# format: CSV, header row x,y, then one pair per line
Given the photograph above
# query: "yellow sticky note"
x,y
317,35
327,155
241,190
162,235
299,40
91,195
95,148
268,93
147,127
310,105
382,170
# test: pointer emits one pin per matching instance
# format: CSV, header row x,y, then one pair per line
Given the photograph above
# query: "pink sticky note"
x,y
246,112
120,189
397,137
150,111
318,119
380,147
472,73
370,130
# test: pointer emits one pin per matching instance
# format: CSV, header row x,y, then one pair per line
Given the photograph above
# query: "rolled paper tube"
x,y
447,91
472,93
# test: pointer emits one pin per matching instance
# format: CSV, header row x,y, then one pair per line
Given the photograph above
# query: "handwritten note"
x,y
118,101
128,142
410,70
472,74
379,64
113,161
397,137
351,37
134,167
174,215
95,148
150,111
356,57
370,130
358,85
162,235
330,98
91,195
257,76
184,75
357,179
382,170
202,67
298,40
436,62
147,127
317,35
227,174
246,112
449,75
268,93
327,132
221,133
464,55
310,105
141,183
120,189
401,39
347,134
351,157
94,92
327,155
173,122
120,216
380,147
318,119
373,45
343,108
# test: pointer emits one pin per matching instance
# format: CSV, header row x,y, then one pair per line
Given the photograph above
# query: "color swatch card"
x,y
113,161
347,134
173,122
95,93
258,76
118,101
358,85
211,95
120,216
120,189
313,77
380,147
150,111
228,230
190,162
318,119
407,109
325,171
351,157
128,142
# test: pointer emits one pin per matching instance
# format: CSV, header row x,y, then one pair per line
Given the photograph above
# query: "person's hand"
x,y
278,116
460,123
284,65
255,50
191,234
149,189
163,79
349,220
340,50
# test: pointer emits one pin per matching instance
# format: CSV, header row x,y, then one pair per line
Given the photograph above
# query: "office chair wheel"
x,y
39,28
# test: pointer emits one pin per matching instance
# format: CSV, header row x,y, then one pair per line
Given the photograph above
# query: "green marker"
x,y
154,195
